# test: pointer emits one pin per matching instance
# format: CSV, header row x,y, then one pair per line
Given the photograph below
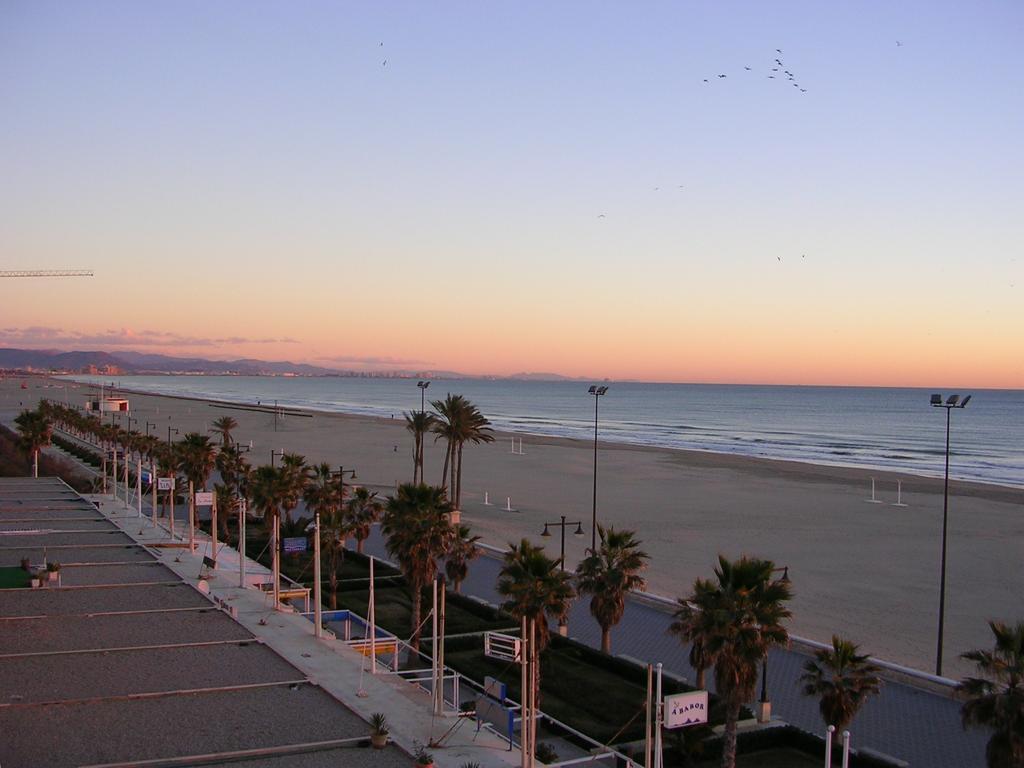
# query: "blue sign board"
x,y
296,544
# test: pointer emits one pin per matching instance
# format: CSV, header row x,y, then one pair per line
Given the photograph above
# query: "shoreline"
x,y
866,571
705,457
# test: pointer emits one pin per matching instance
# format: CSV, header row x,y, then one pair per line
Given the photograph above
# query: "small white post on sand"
x,y
513,445
872,500
508,503
899,494
521,447
487,500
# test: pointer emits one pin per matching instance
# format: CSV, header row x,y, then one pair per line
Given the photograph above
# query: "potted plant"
x,y
423,758
52,571
37,579
26,565
379,732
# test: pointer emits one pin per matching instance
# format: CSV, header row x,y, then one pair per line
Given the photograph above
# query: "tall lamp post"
x,y
597,392
423,394
764,713
148,425
274,454
169,430
953,401
563,627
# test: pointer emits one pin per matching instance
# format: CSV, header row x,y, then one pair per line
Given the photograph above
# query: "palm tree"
x,y
227,507
233,467
364,509
418,423
270,490
996,700
35,430
198,458
609,575
459,422
223,427
535,587
418,533
323,497
296,474
736,617
463,551
842,678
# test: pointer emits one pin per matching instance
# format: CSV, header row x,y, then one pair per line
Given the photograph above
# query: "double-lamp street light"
x,y
953,401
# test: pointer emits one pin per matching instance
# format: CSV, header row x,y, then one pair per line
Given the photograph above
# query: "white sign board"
x,y
204,499
684,709
165,483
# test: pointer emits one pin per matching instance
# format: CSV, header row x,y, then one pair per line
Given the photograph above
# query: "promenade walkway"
x,y
906,722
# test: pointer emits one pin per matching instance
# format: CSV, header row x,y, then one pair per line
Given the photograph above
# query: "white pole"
x,y
440,646
508,503
433,648
873,500
138,486
317,610
487,499
277,562
828,746
899,494
213,530
114,473
191,516
647,711
658,718
513,444
522,692
846,749
170,521
152,480
373,626
241,543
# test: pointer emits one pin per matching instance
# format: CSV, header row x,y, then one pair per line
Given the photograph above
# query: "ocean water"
x,y
882,428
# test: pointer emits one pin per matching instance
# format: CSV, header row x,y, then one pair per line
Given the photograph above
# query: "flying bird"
x,y
803,90
706,80
899,44
778,50
721,75
384,63
747,68
601,216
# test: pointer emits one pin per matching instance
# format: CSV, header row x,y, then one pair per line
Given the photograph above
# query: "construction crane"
x,y
45,273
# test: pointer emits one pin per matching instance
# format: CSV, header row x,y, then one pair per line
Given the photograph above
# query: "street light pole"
x,y
953,401
597,392
764,705
561,524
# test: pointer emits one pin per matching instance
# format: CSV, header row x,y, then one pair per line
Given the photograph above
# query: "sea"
x,y
868,427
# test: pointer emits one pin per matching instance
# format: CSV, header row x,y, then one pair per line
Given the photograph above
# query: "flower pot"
x,y
379,740
52,575
36,583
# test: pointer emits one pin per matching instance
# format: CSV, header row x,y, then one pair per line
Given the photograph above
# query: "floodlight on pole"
x,y
423,394
953,401
597,392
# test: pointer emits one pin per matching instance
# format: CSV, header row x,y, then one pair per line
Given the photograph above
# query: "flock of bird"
x,y
778,72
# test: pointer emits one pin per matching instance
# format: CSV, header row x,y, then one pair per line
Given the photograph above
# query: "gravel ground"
x,y
60,735
356,757
29,679
132,553
65,602
76,539
96,526
67,633
83,575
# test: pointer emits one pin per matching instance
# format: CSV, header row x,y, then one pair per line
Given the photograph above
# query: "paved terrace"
x,y
124,660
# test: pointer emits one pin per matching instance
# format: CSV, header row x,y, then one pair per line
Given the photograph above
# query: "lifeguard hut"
x,y
96,404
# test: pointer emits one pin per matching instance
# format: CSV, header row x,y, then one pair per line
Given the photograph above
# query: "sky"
x,y
565,187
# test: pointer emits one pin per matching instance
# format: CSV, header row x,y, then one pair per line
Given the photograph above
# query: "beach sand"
x,y
869,572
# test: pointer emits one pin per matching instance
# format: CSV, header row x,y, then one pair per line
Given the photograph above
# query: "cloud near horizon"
x,y
124,337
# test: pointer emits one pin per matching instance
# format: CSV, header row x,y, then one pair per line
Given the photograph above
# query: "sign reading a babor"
x,y
165,483
684,709
204,499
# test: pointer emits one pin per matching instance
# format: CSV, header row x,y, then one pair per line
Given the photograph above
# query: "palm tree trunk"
x,y
334,578
416,460
359,545
417,598
606,640
700,679
444,471
458,490
732,716
35,463
454,450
